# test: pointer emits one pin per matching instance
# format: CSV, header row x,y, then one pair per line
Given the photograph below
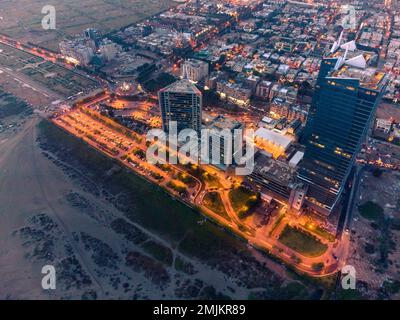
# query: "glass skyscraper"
x,y
181,102
348,90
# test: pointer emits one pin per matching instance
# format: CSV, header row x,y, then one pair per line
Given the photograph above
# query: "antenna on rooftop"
x,y
341,60
341,37
337,44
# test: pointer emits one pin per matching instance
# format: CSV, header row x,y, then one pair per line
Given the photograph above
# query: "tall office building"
x,y
181,102
222,144
347,92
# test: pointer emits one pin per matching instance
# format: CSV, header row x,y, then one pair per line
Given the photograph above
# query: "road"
x,y
117,145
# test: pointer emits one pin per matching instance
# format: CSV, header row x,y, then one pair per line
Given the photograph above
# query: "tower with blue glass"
x,y
348,90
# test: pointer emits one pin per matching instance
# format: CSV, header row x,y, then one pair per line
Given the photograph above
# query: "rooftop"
x,y
275,169
369,78
221,123
356,63
184,86
274,137
195,63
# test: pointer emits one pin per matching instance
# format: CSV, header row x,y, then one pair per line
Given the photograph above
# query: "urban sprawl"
x,y
321,97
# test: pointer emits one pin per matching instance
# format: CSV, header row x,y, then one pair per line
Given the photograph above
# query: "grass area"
x,y
15,59
58,79
11,106
327,282
74,16
349,294
212,180
302,242
296,290
178,186
371,211
243,200
319,231
159,252
186,179
161,81
277,223
213,201
201,174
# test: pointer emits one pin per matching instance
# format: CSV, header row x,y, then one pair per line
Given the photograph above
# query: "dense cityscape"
x,y
310,90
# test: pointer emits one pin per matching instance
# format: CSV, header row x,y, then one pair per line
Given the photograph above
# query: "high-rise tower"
x,y
181,102
348,90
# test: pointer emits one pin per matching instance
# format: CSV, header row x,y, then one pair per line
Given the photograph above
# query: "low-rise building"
x,y
272,141
76,51
272,176
108,49
194,70
221,142
234,92
262,90
382,128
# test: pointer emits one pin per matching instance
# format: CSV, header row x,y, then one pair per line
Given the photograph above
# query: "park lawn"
x,y
212,180
242,200
177,185
319,231
203,175
277,223
213,201
302,242
371,211
186,179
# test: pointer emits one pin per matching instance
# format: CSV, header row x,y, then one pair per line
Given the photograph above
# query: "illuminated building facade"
x,y
272,141
181,102
222,141
234,92
76,52
347,93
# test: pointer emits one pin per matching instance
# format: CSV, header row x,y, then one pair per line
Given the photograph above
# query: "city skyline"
x,y
200,150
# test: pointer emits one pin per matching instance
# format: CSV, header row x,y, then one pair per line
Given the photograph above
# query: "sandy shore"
x,y
46,217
